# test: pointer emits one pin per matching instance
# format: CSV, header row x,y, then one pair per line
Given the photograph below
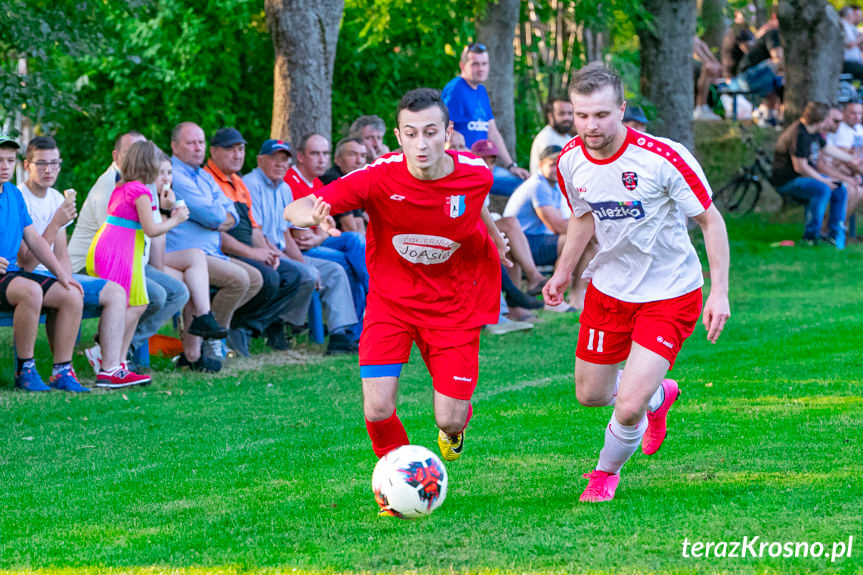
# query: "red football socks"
x,y
469,415
387,434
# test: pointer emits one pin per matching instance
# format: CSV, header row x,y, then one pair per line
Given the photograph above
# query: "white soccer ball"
x,y
409,482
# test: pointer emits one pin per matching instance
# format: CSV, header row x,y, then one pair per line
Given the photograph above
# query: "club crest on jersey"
x,y
424,249
456,206
617,210
630,180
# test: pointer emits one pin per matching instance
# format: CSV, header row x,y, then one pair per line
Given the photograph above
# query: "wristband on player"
x,y
511,166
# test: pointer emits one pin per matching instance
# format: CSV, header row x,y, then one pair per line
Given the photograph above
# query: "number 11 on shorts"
x,y
591,334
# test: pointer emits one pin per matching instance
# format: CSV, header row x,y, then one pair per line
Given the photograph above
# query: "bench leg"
x,y
316,319
141,355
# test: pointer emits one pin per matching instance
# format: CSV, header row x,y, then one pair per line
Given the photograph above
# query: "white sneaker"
x,y
705,114
94,357
214,349
506,325
562,307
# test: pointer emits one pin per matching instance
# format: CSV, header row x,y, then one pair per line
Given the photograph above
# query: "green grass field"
x,y
267,467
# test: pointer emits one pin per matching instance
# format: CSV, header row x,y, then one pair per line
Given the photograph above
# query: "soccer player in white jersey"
x,y
634,192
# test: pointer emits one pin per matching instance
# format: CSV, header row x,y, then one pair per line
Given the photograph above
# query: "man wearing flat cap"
x,y
270,195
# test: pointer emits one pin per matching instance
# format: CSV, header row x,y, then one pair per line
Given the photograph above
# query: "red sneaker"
x,y
656,430
600,486
120,377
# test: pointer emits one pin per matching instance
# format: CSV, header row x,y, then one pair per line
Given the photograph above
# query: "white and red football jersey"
x,y
428,253
639,198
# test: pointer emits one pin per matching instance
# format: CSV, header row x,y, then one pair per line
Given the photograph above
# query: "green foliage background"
x,y
97,69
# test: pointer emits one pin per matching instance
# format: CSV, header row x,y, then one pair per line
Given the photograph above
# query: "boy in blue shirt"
x,y
25,293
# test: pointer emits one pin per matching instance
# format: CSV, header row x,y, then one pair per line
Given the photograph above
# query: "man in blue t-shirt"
x,y
470,112
25,293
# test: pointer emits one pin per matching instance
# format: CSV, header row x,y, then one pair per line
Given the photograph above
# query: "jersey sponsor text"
x,y
424,249
617,210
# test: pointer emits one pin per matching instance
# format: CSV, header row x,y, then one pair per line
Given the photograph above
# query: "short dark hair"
x,y
301,145
815,112
119,138
596,76
39,143
548,107
421,99
345,141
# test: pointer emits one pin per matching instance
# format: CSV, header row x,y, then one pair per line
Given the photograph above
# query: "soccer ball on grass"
x,y
409,482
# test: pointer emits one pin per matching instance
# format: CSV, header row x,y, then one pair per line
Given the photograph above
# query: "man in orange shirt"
x,y
282,288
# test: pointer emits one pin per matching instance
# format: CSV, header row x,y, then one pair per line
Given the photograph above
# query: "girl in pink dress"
x,y
117,250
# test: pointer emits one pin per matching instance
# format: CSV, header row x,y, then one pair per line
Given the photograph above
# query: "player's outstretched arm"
x,y
311,211
717,309
500,242
578,232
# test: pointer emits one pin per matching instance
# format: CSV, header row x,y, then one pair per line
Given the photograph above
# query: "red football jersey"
x,y
299,186
428,252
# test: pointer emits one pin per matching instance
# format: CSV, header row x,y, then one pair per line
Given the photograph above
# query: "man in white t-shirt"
x,y
558,113
51,214
634,192
843,130
852,40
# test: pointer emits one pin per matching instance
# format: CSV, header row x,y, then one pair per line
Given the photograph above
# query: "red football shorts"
x,y
451,356
609,326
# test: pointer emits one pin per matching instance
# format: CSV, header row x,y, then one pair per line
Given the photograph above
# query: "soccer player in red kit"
x,y
634,192
433,257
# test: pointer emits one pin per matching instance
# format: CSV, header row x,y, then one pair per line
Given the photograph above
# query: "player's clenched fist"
x,y
554,289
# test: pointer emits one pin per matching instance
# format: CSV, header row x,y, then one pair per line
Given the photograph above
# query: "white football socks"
x,y
616,387
621,441
656,399
653,404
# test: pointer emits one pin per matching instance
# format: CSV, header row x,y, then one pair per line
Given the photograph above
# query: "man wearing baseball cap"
x,y
270,195
515,303
536,206
246,242
635,118
211,213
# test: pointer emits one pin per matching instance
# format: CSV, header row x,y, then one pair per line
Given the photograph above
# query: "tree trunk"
x,y
713,16
812,40
496,29
666,67
305,34
762,11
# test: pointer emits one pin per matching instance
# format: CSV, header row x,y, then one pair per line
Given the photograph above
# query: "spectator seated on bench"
x,y
51,214
796,174
24,294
